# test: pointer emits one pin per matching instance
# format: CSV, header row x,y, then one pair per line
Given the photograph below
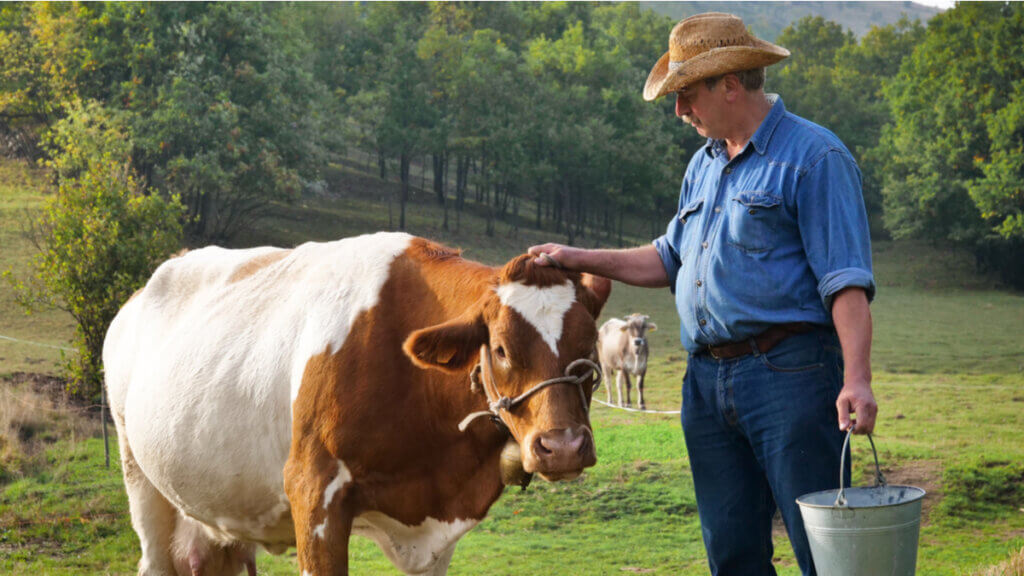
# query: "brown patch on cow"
x,y
256,264
425,250
394,424
367,410
523,269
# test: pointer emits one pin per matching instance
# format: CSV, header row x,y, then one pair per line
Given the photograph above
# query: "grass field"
x,y
949,376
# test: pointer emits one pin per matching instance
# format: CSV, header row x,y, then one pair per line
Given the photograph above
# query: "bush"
x,y
100,236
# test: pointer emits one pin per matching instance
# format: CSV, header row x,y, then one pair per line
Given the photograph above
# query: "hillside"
x,y
767,19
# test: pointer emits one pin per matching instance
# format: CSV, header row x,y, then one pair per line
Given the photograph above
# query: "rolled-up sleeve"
x,y
834,226
669,257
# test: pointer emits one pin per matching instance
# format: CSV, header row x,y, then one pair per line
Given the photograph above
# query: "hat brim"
x,y
714,62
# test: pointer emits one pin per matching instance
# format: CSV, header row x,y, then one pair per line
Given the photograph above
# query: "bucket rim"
x,y
914,498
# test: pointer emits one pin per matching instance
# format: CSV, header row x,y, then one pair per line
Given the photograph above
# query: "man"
x,y
769,260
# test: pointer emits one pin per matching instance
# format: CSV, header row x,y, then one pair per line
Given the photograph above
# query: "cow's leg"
x,y
619,384
607,371
626,380
640,390
153,517
317,489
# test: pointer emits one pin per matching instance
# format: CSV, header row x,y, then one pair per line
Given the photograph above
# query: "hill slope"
x,y
767,19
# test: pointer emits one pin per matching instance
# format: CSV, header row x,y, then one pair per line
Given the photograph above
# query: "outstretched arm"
x,y
637,266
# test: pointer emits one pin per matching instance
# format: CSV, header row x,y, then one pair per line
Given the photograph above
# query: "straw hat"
x,y
708,45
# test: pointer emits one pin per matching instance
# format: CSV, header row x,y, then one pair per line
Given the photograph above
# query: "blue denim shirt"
x,y
767,237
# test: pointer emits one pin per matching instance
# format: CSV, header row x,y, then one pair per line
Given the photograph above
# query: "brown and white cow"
x,y
622,347
280,397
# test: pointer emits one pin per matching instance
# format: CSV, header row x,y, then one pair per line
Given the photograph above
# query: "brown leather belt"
x,y
764,341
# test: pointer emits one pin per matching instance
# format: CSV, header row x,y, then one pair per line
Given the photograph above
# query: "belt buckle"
x,y
711,351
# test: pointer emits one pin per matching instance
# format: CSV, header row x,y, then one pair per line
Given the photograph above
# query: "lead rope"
x,y
498,403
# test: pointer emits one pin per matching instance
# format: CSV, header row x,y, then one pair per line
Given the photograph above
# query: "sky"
x,y
942,4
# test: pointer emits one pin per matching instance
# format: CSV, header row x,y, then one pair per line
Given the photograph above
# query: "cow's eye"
x,y
500,352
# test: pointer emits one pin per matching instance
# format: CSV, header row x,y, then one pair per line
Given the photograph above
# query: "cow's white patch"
x,y
343,477
544,308
204,370
320,531
413,549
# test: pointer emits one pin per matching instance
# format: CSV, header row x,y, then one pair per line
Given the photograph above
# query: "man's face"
x,y
699,107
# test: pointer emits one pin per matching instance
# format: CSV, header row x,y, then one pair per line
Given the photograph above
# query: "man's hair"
x,y
750,79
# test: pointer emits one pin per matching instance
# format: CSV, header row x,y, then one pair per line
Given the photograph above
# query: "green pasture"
x,y
949,376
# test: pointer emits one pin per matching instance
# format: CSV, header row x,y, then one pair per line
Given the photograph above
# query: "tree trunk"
x,y
537,213
440,166
404,188
382,162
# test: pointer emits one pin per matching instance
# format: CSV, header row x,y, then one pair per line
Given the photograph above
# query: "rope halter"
x,y
498,403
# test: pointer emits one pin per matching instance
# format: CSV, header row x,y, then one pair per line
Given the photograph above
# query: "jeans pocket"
x,y
794,360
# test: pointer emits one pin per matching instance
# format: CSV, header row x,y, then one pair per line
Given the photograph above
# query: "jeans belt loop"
x,y
753,346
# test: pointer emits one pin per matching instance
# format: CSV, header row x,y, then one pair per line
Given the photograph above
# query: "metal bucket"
x,y
870,531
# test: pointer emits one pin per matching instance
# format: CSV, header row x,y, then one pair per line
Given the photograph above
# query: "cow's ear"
x,y
624,327
596,290
451,346
652,327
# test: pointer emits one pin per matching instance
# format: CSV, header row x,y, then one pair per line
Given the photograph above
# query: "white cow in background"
x,y
622,347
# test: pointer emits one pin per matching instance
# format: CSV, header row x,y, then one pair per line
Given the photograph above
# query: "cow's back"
x,y
203,363
612,343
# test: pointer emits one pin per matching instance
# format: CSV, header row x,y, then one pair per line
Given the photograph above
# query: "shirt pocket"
x,y
690,210
687,220
753,220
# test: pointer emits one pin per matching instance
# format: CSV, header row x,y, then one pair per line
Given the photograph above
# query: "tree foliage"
x,y
101,235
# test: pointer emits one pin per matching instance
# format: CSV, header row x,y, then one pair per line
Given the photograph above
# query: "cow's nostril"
x,y
539,448
584,445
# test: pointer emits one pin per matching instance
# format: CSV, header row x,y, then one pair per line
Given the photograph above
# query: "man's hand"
x,y
566,256
857,398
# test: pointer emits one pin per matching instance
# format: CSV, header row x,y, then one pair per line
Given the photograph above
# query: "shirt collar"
x,y
715,148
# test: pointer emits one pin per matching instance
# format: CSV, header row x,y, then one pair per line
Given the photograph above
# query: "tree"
x,y
101,235
953,106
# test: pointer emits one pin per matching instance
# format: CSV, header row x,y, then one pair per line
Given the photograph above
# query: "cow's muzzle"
x,y
559,454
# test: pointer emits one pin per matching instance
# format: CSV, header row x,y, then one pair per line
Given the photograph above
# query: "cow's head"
x,y
532,323
636,329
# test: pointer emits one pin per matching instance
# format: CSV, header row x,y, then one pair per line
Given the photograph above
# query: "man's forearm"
x,y
637,266
852,318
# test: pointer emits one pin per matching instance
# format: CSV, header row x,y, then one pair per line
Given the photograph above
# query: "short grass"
x,y
948,355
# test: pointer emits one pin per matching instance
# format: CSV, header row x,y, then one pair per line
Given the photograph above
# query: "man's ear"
x,y
450,347
596,290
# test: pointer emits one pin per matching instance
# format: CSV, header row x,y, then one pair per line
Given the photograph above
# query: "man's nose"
x,y
682,106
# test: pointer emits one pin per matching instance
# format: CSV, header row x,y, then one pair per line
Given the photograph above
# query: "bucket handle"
x,y
879,479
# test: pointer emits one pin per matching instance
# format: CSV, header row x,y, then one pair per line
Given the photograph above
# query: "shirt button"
x,y
703,244
718,208
728,169
699,283
703,322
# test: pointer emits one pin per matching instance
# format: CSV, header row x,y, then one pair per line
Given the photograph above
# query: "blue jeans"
x,y
761,430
